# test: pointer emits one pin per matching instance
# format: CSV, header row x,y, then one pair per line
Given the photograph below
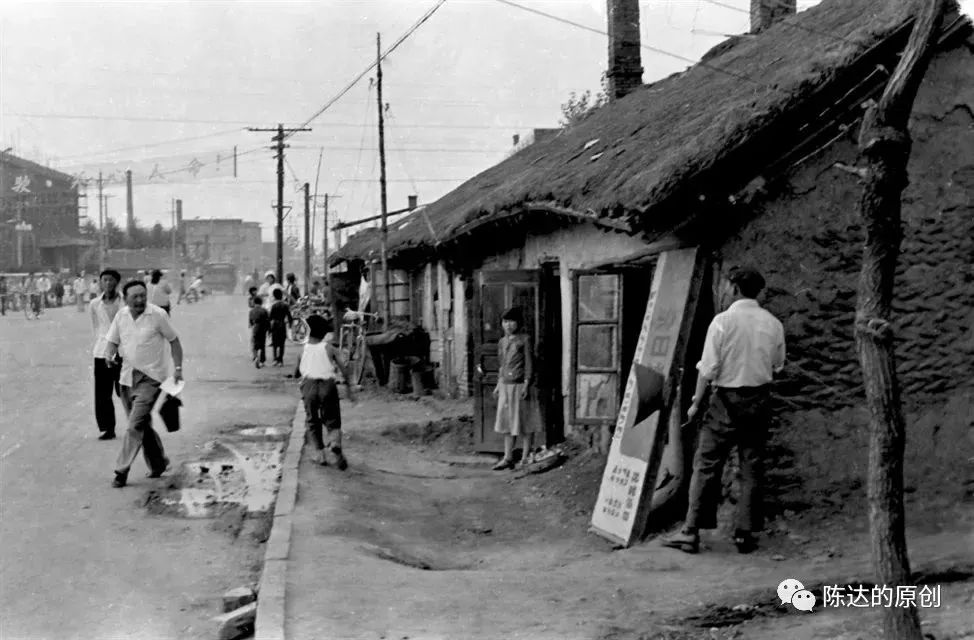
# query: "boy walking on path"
x,y
280,315
260,322
318,367
744,348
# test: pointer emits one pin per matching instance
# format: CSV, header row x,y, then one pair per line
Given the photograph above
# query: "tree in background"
x,y
580,106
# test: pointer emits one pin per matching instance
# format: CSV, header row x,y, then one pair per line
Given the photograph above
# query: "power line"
x,y
353,125
371,66
789,23
657,50
150,144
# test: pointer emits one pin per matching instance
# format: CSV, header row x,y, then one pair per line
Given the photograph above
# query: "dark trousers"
x,y
258,343
321,409
106,383
138,401
739,418
278,338
3,304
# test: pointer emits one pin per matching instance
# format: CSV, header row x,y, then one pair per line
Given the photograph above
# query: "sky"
x,y
168,90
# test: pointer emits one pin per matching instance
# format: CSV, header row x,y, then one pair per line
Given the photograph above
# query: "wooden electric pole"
x,y
307,237
280,147
101,228
885,145
387,302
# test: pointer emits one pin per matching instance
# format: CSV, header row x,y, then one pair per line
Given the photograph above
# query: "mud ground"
x,y
433,544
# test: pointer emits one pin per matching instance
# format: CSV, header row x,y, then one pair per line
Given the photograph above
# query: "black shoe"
x,y
334,458
157,473
121,478
745,542
107,435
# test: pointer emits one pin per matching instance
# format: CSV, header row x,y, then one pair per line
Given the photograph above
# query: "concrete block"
x,y
270,606
279,544
239,597
235,624
287,493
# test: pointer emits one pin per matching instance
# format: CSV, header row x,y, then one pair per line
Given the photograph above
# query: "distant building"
x,y
39,217
223,240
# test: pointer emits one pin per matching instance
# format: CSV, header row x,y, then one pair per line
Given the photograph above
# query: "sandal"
x,y
685,542
505,463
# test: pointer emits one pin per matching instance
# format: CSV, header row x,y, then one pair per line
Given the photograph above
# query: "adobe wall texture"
x,y
808,243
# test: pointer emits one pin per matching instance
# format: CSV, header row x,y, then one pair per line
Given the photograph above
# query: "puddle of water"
x,y
243,474
262,432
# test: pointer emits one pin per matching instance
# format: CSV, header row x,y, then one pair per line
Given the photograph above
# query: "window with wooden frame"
x,y
596,346
399,294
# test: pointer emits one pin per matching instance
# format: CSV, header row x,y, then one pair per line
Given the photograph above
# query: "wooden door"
x,y
495,293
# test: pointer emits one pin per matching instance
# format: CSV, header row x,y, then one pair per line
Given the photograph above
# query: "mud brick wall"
x,y
807,239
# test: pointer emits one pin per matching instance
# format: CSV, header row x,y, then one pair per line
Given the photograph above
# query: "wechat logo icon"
x,y
793,592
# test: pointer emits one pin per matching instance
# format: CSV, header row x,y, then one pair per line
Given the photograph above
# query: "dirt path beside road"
x,y
418,540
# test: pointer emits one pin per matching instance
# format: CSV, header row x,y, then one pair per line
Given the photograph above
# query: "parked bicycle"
x,y
304,307
351,343
31,304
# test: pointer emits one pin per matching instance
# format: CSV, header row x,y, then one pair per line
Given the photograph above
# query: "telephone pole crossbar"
x,y
279,147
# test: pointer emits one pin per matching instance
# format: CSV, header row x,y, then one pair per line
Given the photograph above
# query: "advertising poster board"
x,y
637,444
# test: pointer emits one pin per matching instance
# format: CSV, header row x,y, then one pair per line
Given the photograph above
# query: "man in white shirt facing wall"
x,y
141,332
744,348
102,311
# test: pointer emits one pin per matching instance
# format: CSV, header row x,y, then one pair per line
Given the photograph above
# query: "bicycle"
x,y
351,343
304,307
31,304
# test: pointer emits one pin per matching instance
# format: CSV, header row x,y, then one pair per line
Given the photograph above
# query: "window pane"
x,y
598,297
597,348
596,396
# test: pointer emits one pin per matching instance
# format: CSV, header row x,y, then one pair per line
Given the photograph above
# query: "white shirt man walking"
x,y
141,332
744,348
103,310
79,287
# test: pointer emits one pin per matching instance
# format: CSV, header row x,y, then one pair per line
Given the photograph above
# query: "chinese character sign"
x,y
625,485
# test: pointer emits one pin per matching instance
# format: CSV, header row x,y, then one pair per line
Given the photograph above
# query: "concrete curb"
x,y
273,578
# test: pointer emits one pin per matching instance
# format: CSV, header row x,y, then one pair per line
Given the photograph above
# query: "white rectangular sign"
x,y
625,494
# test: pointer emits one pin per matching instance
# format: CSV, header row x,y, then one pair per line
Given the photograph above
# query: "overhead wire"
x,y
657,50
429,14
788,23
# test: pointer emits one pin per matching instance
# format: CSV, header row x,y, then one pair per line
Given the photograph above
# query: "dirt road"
x,y
416,540
79,559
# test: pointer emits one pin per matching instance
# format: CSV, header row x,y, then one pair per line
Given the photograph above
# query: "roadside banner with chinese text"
x,y
640,432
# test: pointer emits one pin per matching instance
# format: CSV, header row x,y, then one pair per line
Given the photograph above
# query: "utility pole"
x,y
387,302
279,147
101,227
307,236
174,266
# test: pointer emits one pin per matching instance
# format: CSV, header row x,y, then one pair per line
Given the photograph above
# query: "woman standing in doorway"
x,y
514,378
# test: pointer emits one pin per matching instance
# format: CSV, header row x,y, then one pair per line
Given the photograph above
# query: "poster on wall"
x,y
637,444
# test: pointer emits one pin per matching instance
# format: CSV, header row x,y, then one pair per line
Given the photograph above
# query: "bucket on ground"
x,y
423,378
399,373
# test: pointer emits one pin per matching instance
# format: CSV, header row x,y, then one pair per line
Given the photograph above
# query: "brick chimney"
x,y
766,12
129,209
625,71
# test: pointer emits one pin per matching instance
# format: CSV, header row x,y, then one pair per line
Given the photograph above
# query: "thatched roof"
x,y
633,155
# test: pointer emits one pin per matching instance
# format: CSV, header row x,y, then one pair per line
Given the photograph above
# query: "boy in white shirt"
x,y
319,364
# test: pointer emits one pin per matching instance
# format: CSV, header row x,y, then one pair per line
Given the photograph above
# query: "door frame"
x,y
485,440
